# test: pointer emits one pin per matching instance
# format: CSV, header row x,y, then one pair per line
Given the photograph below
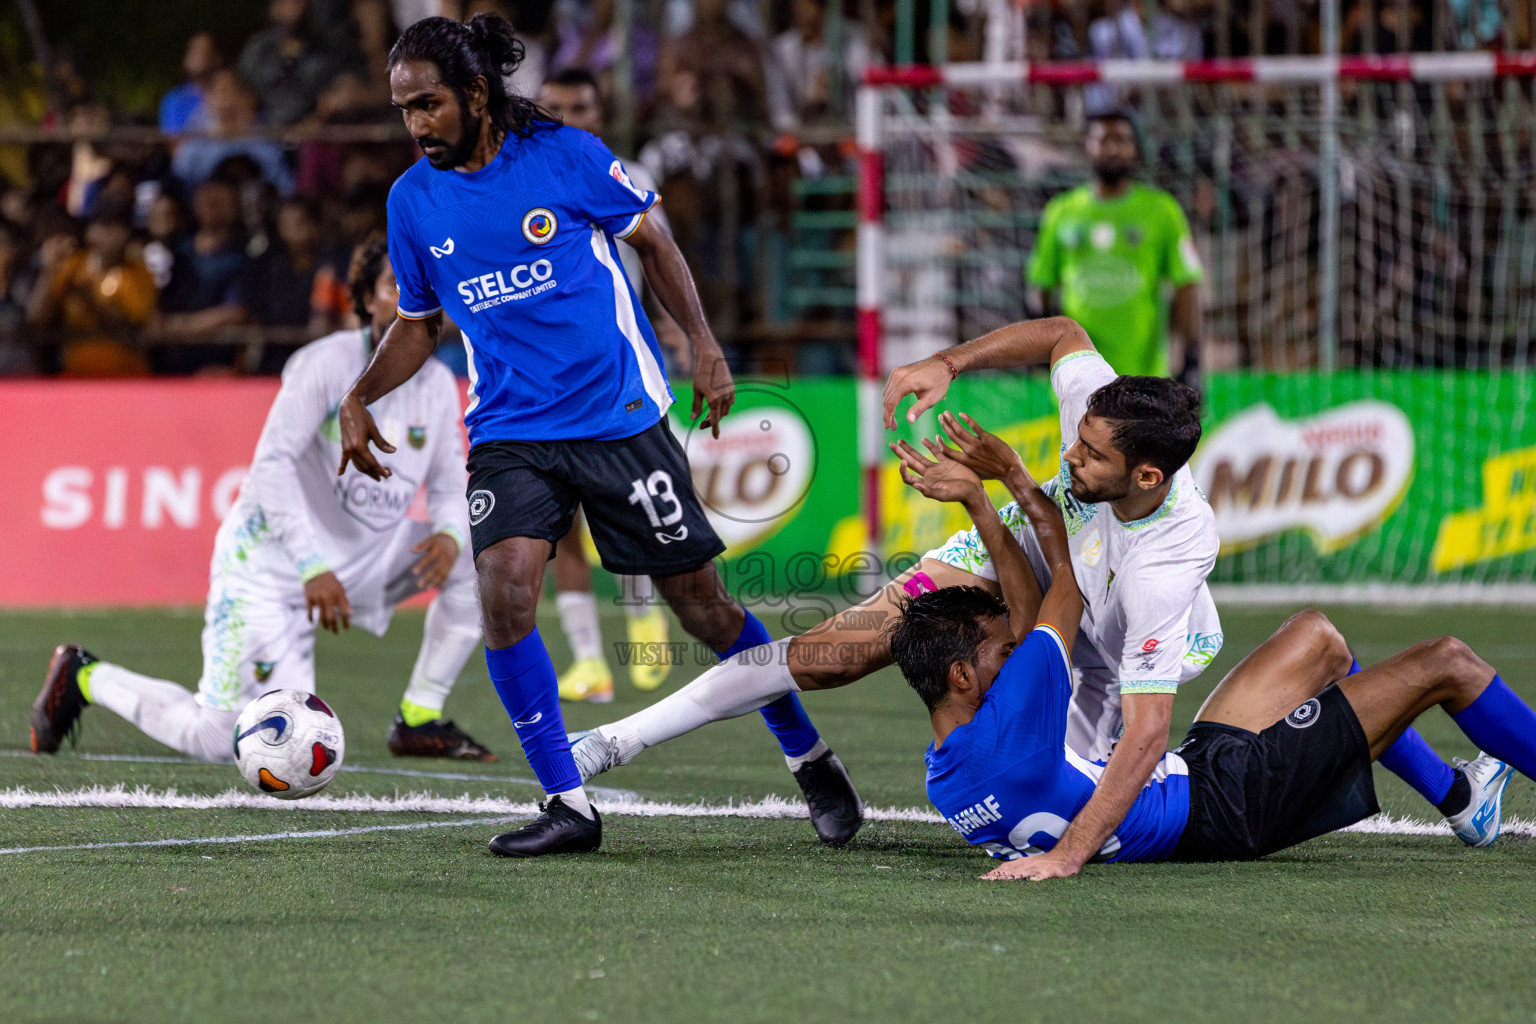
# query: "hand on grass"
x,y
1034,869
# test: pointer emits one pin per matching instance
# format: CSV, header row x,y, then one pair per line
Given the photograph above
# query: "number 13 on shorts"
x,y
654,489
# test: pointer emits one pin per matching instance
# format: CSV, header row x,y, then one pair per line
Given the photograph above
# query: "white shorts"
x,y
255,641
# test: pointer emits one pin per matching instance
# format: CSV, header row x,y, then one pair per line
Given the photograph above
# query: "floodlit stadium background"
x,y
1358,178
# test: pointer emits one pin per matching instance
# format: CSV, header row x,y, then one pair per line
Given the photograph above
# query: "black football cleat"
x,y
437,738
558,829
836,810
56,712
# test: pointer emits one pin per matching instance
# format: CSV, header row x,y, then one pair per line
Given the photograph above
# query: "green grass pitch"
x,y
711,919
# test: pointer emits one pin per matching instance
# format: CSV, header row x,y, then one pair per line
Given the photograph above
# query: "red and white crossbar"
x,y
1407,67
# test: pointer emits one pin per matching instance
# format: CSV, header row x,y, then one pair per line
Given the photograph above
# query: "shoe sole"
x,y
517,855
454,755
39,715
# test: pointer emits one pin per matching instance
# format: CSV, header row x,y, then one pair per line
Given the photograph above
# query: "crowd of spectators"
x,y
219,243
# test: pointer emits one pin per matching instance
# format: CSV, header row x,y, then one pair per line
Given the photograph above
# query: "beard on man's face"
x,y
455,154
1111,172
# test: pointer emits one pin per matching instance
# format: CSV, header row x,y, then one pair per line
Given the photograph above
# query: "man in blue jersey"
x,y
1281,751
509,226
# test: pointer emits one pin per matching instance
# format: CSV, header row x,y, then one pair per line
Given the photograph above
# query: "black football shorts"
x,y
1251,794
637,494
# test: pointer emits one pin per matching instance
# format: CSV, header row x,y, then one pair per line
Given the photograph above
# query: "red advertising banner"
x,y
111,492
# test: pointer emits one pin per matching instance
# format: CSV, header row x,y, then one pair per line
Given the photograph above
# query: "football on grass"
x,y
288,743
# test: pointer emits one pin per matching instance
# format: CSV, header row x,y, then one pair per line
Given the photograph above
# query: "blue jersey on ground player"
x,y
510,228
1006,779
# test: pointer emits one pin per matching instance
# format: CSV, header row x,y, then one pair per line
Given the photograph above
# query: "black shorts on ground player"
x,y
1251,794
636,492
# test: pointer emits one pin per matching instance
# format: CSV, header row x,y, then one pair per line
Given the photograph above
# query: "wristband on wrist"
x,y
954,371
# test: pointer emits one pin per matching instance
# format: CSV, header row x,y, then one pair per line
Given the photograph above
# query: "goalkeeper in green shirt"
x,y
1108,246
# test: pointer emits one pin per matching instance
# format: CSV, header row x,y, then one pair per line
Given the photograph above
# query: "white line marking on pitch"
x,y
424,803
603,792
264,837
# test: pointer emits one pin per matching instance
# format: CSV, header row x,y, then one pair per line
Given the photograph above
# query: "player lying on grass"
x,y
301,543
1280,753
510,225
1143,540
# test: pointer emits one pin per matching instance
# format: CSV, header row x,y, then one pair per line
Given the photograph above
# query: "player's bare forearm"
x,y
1062,604
1021,590
405,347
1043,515
1027,343
1141,746
667,273
403,350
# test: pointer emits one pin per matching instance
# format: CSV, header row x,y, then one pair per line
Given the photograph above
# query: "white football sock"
x,y
639,595
165,711
806,758
576,800
729,690
449,637
578,617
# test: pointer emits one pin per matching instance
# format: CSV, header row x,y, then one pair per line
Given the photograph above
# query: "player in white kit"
x,y
302,544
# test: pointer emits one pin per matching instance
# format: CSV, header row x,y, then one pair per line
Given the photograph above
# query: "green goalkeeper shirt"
x,y
1109,258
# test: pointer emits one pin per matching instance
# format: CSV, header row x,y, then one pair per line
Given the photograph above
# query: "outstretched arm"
x,y
1027,343
403,350
992,459
950,480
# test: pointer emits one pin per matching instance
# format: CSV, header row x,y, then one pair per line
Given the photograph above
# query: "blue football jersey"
x,y
1007,782
520,255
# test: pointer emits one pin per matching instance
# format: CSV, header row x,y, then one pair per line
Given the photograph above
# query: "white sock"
x,y
449,637
639,595
807,757
576,800
165,711
729,690
578,617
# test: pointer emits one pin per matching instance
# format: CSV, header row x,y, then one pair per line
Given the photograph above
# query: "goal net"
x,y
1367,231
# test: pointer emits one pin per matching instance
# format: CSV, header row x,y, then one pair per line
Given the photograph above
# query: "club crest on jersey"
x,y
1093,549
480,505
416,437
617,173
1305,715
264,670
539,225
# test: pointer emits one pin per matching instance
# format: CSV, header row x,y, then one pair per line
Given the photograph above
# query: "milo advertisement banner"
x,y
1379,477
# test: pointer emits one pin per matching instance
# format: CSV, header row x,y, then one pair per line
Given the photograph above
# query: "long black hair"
x,y
485,48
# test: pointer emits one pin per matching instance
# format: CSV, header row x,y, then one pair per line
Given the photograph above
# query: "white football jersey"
x,y
295,518
1148,615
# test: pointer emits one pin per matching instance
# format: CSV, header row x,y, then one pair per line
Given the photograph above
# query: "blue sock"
x,y
1502,724
1415,762
786,718
524,678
